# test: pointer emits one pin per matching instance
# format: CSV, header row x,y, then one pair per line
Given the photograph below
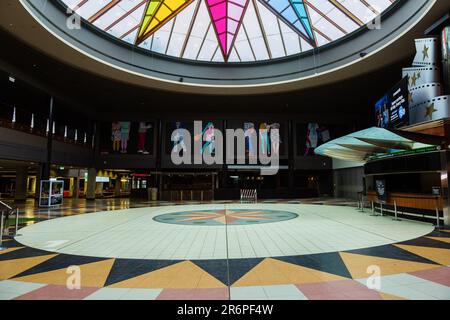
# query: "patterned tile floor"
x,y
410,269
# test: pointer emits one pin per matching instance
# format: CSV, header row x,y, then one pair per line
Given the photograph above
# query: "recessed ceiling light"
x,y
12,79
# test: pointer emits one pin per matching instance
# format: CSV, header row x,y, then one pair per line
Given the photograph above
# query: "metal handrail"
x,y
5,205
9,211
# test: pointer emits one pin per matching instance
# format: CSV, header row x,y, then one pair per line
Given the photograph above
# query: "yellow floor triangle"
x,y
387,296
10,250
358,265
180,275
447,240
10,268
274,272
438,255
92,275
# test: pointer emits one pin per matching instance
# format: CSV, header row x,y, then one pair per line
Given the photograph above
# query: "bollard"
x,y
17,221
381,208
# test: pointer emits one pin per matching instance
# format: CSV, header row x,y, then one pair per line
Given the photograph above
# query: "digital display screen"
x,y
399,105
392,111
382,112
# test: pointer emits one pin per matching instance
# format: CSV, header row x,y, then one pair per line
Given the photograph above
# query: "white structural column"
x,y
91,182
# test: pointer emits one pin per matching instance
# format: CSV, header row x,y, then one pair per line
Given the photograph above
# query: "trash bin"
x,y
152,194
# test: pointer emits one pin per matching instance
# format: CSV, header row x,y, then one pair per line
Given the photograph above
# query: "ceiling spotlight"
x,y
12,79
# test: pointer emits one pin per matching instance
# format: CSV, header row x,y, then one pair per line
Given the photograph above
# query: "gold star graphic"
x,y
413,80
419,75
410,97
430,111
425,52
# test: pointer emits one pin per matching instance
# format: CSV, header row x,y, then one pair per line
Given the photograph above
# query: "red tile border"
x,y
57,292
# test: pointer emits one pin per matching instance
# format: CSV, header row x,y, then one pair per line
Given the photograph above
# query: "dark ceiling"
x,y
351,100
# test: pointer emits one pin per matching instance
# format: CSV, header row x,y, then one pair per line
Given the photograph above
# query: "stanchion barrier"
x,y
396,212
381,208
361,204
437,213
17,221
374,214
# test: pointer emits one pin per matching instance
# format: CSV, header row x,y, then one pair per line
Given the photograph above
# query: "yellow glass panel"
x,y
158,13
174,4
152,25
162,13
150,11
144,24
152,7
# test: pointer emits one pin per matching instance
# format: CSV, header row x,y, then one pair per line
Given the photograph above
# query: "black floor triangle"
x,y
326,262
61,261
426,242
124,269
438,233
239,267
391,252
26,252
10,242
217,268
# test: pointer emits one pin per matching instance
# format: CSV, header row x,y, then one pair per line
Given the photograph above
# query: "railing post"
x,y
437,213
373,210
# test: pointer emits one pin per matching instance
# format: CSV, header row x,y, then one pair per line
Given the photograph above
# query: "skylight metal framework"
x,y
228,30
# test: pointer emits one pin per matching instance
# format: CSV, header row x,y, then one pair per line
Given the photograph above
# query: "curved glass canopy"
x,y
228,30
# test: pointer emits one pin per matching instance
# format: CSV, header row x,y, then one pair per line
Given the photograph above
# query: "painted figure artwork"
x,y
142,137
275,139
124,135
250,134
178,143
264,138
115,136
312,138
209,136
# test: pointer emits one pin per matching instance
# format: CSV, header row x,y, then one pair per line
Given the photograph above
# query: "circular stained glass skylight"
x,y
228,30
